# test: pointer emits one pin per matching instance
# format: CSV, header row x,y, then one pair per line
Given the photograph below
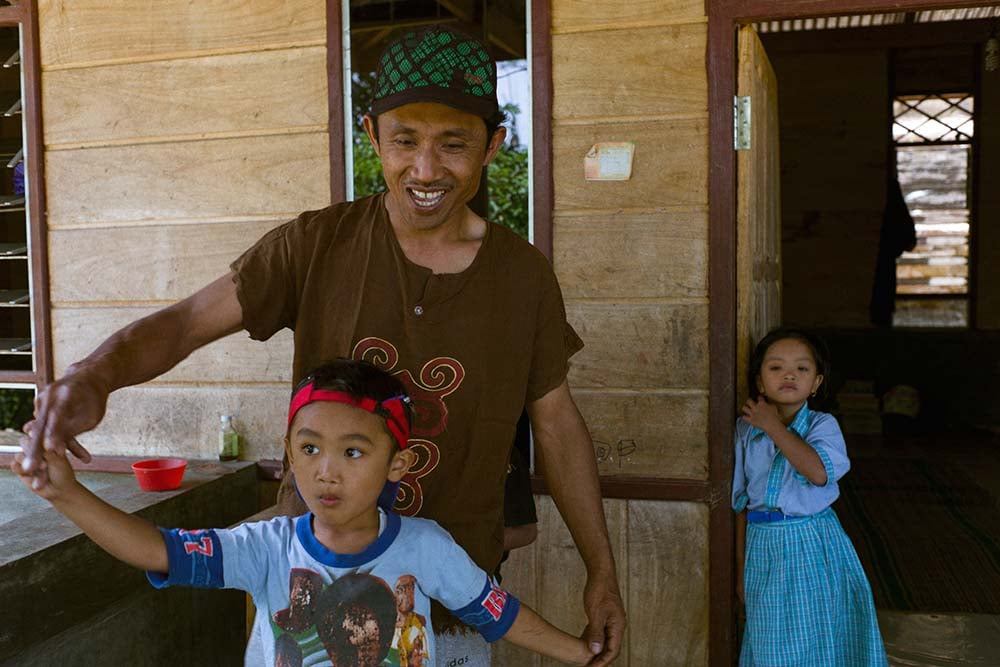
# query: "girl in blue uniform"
x,y
808,602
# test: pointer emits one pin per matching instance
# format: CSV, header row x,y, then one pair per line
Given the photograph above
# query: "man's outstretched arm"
x,y
141,351
570,469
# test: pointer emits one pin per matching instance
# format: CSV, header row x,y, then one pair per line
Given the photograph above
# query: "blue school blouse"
x,y
763,479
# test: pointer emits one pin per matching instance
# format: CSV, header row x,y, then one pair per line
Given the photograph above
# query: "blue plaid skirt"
x,y
807,599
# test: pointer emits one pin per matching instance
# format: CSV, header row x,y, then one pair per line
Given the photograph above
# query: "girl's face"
x,y
788,373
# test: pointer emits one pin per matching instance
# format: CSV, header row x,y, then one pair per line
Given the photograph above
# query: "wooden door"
x,y
758,207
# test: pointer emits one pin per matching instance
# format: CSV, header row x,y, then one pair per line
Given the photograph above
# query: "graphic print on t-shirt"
x,y
355,621
438,378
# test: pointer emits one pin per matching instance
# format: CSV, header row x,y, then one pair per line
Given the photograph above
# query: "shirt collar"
x,y
799,426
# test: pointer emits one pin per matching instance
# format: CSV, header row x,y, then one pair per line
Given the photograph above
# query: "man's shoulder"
x,y
516,255
355,214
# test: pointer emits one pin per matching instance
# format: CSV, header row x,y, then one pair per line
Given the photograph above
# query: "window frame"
x,y
972,293
24,14
540,47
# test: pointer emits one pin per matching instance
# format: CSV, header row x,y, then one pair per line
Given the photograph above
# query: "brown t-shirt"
x,y
472,348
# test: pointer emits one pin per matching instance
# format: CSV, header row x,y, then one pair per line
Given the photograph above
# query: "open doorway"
x,y
889,132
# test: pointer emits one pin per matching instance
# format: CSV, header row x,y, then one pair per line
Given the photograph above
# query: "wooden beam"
x,y
335,98
888,36
541,125
643,488
15,13
464,10
505,33
751,11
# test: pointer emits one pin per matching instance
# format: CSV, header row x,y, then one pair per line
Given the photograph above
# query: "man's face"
x,y
432,159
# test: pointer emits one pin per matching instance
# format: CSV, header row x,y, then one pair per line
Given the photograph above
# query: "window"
x,y
24,316
932,136
502,25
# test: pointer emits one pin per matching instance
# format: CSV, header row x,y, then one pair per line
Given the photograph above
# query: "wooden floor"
x,y
939,640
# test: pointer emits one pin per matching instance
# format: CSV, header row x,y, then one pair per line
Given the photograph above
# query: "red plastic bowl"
x,y
159,474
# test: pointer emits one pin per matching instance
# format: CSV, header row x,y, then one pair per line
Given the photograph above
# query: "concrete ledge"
x,y
54,580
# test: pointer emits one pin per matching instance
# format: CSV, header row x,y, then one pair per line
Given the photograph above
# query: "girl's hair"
x,y
360,379
815,344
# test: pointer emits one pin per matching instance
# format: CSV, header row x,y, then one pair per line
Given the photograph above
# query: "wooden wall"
x,y
175,134
631,257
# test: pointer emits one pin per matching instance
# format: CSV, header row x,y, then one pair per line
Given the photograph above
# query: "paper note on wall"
x,y
609,161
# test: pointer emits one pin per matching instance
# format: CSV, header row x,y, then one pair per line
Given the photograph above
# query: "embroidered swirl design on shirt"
x,y
437,378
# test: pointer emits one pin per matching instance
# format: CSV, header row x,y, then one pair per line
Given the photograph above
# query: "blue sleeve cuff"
x,y
827,467
492,612
194,559
741,501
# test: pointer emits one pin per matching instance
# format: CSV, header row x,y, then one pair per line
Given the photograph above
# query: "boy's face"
x,y
341,457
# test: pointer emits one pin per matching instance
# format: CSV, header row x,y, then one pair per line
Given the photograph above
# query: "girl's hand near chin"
x,y
758,412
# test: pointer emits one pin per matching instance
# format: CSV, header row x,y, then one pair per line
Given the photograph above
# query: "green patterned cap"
x,y
436,64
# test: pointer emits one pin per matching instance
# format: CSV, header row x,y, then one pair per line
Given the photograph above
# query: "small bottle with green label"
x,y
229,439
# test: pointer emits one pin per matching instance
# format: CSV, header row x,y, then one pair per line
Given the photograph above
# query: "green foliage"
x,y
507,175
367,168
507,178
16,407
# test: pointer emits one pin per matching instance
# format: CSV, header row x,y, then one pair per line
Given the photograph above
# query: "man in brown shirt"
x,y
469,316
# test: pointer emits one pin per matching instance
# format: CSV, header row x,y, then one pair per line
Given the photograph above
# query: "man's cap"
x,y
436,64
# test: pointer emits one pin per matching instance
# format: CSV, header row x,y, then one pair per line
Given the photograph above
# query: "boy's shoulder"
x,y
424,535
279,527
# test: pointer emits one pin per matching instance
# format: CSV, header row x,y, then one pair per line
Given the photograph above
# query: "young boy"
x,y
348,583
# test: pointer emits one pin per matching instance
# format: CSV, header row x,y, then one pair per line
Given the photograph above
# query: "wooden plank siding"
x,y
81,33
90,106
662,553
155,262
632,259
175,135
177,181
162,420
235,359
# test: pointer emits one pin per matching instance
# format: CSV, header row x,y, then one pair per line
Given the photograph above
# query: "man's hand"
x,y
606,619
69,406
59,481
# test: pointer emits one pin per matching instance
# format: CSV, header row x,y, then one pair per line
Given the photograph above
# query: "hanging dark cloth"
x,y
896,236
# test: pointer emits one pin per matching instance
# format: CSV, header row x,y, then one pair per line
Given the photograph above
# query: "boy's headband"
x,y
393,409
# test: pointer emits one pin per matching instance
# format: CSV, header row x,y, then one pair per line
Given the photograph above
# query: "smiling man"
x,y
465,313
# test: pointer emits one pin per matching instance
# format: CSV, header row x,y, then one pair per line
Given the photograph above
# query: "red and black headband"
x,y
393,410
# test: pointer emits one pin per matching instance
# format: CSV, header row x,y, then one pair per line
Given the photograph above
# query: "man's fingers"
x,y
78,450
594,634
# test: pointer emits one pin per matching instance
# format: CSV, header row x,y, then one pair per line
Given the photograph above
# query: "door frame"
x,y
724,17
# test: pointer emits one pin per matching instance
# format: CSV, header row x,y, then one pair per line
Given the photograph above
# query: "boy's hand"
x,y
762,414
59,480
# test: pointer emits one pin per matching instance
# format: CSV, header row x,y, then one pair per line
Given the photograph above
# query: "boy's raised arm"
x,y
128,538
534,633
